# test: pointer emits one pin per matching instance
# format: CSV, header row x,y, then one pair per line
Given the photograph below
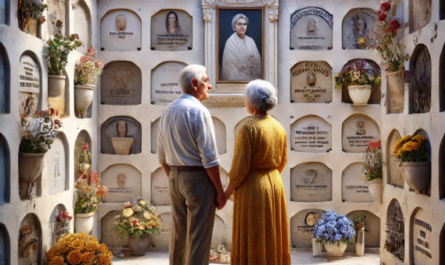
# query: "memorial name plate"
x,y
302,227
358,131
171,30
354,186
120,30
159,188
357,28
311,182
29,85
311,134
164,83
422,238
55,168
162,241
124,183
311,82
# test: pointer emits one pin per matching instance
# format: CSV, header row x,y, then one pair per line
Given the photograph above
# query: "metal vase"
x,y
360,243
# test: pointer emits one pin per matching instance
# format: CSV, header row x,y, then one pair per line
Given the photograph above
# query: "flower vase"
x,y
417,175
56,85
83,95
335,249
122,145
138,246
359,94
376,187
360,243
30,166
83,222
316,248
396,91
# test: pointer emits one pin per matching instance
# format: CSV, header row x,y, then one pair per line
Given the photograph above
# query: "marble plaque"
x,y
4,171
311,82
311,182
311,134
29,85
78,147
109,129
124,183
398,11
357,131
56,17
121,84
420,80
422,238
220,135
162,241
420,14
311,29
154,136
56,166
302,227
4,246
56,227
395,172
160,195
3,76
372,223
107,235
353,186
171,30
165,83
357,28
3,13
121,30
82,25
30,240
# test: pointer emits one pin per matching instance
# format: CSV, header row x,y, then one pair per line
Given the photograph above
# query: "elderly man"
x,y
187,152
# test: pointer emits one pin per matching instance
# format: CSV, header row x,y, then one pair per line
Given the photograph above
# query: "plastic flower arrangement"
x,y
333,228
57,50
88,196
137,220
373,161
78,248
411,149
84,164
359,72
88,68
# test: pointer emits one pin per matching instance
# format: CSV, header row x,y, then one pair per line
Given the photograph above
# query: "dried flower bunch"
x,y
78,248
359,72
411,149
332,227
88,68
88,196
373,161
38,131
137,220
57,50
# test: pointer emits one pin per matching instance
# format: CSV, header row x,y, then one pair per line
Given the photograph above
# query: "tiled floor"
x,y
301,256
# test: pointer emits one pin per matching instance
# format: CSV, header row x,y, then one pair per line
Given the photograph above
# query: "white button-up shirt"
x,y
186,135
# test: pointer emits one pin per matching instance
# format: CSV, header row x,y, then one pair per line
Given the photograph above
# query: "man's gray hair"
x,y
235,19
188,73
261,95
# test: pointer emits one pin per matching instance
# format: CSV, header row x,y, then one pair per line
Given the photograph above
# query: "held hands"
x,y
220,201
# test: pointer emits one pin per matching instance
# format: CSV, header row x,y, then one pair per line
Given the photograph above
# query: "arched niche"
x,y
419,14
56,228
420,80
220,135
109,130
121,84
30,241
356,28
154,135
302,227
311,134
354,187
121,30
5,84
4,12
83,26
311,29
5,171
162,241
56,165
82,137
422,237
311,182
108,236
357,131
395,230
442,70
165,83
442,168
61,103
372,230
311,82
123,181
181,39
394,171
375,97
27,21
5,246
58,17
30,83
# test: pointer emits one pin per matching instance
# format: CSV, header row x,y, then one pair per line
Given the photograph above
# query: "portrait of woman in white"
x,y
241,59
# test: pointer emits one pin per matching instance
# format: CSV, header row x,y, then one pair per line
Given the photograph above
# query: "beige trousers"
x,y
192,197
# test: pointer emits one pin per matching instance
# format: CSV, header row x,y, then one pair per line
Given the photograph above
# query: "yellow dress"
x,y
260,226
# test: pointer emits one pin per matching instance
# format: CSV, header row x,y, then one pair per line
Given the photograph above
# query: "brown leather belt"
x,y
186,168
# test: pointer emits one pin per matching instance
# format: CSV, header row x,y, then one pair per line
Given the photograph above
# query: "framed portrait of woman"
x,y
240,44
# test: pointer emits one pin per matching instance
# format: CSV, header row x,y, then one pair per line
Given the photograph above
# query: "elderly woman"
x,y
241,59
260,226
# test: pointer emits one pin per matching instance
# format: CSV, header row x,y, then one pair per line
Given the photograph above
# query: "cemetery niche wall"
x,y
164,83
421,238
5,86
5,247
311,182
56,165
311,29
171,30
30,241
82,137
419,80
29,84
5,171
302,227
353,185
395,230
357,131
124,183
311,82
108,236
121,30
56,228
159,188
311,134
121,135
420,12
394,171
83,26
357,27
57,17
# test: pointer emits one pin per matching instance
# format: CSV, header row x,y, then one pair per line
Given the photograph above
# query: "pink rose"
x,y
91,51
99,64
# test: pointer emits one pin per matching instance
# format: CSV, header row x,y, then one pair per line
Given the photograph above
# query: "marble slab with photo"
x,y
311,82
121,30
395,172
124,183
56,17
165,83
422,238
56,167
357,131
311,134
302,227
354,187
171,30
311,182
29,85
121,127
108,236
357,28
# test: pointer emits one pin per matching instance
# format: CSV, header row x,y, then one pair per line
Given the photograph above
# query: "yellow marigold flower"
x,y
88,257
419,138
409,146
92,246
406,138
52,252
58,260
78,244
74,257
397,146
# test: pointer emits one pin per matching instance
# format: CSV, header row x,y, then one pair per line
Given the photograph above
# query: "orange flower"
x,y
78,244
92,238
103,259
419,138
94,176
82,236
101,190
409,146
64,249
103,248
52,252
58,260
88,257
92,245
74,257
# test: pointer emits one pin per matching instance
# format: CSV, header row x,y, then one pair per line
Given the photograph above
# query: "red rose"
x,y
385,6
378,12
378,47
382,17
83,176
394,24
85,146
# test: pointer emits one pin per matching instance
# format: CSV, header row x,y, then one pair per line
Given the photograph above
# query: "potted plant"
x,y
335,232
30,15
359,76
413,154
56,53
87,197
360,228
372,168
136,223
88,70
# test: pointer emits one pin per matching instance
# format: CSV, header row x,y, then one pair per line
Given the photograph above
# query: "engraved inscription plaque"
x,y
171,30
302,227
311,182
29,85
124,183
165,83
354,187
357,28
311,82
121,30
357,131
311,134
422,239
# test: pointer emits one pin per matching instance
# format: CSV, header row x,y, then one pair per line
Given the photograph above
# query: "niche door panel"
x,y
164,83
109,130
311,82
171,30
419,79
357,28
121,30
395,230
354,187
29,85
357,131
311,134
124,183
82,25
420,14
56,167
302,227
311,182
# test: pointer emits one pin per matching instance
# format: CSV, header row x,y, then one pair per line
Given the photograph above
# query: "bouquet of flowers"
x,y
332,227
88,196
38,131
137,220
88,68
57,50
78,248
84,164
359,72
373,161
411,149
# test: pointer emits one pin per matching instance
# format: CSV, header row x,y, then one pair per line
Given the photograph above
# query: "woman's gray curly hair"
x,y
261,95
235,19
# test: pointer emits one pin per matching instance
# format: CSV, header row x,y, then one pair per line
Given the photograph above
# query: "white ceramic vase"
x,y
122,145
335,249
83,95
376,187
417,175
360,94
83,223
56,85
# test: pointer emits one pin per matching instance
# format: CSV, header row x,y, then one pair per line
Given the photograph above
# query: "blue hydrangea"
x,y
334,227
